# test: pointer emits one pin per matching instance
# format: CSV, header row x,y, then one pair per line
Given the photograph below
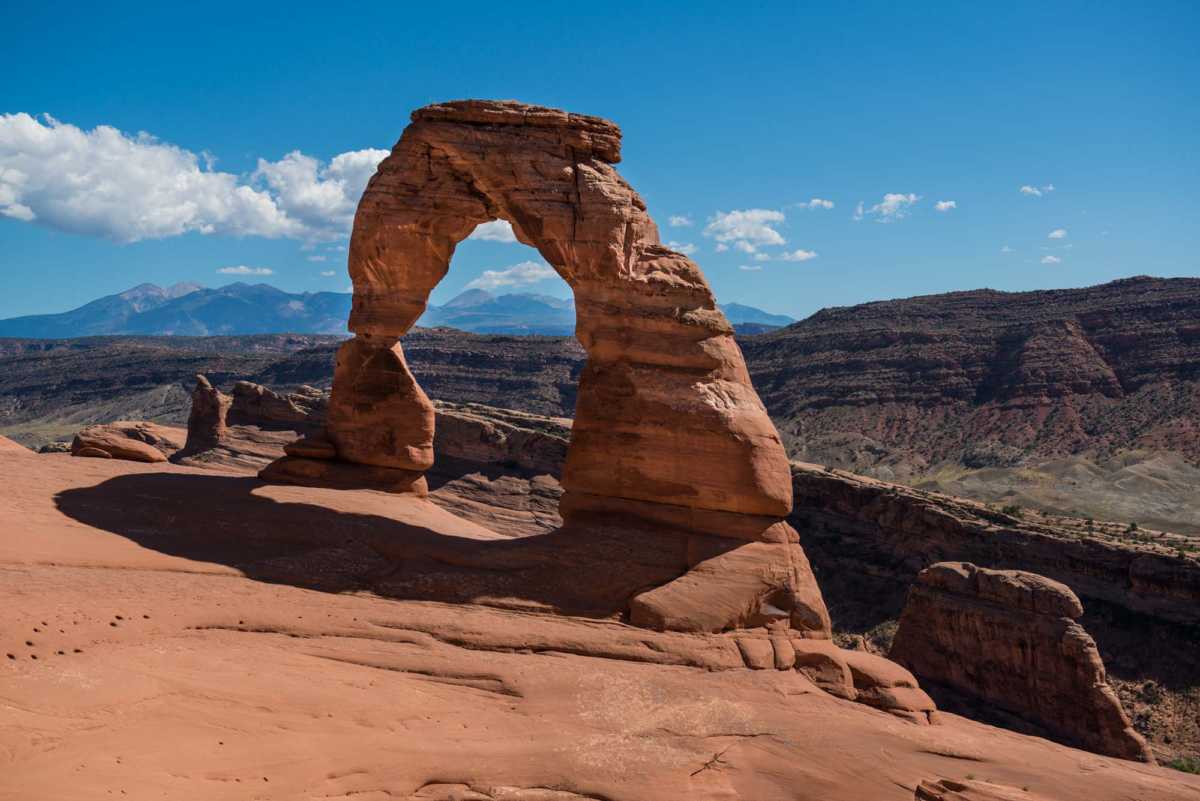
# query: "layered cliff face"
x,y
988,379
1010,638
884,529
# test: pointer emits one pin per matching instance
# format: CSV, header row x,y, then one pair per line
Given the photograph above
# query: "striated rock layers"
x,y
1010,638
987,378
668,436
859,528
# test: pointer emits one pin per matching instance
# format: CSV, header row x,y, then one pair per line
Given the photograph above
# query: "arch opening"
x,y
496,285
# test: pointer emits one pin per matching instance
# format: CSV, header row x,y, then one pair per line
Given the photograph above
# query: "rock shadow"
x,y
589,571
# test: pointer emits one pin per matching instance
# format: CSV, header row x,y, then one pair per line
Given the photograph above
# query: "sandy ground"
x,y
173,633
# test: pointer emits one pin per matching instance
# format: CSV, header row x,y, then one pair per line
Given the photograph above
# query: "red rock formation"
x,y
249,428
668,428
1010,638
134,441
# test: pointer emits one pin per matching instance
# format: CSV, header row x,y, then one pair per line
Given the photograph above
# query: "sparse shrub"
x,y
1185,764
1132,528
1012,510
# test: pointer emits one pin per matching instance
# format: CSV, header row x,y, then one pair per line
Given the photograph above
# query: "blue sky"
x,y
758,109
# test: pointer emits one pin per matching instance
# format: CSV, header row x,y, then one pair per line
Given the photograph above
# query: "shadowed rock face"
x,y
668,430
1010,638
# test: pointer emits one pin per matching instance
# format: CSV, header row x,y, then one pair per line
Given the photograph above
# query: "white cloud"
x,y
321,199
818,203
721,248
787,255
686,248
679,221
128,188
1034,191
894,206
750,268
494,231
946,205
798,255
242,269
745,229
317,258
527,272
328,273
1051,260
1057,233
1006,249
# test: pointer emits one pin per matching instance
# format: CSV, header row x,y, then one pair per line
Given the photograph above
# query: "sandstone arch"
x,y
667,428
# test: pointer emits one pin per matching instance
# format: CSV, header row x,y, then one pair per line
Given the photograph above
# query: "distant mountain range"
x,y
191,310
240,309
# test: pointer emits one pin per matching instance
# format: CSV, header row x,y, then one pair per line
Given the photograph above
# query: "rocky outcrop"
x,y
668,430
249,428
1010,638
479,433
134,441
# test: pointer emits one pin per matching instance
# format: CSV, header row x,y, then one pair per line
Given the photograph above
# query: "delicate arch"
x,y
667,422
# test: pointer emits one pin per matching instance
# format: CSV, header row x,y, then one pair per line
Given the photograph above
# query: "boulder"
x,y
1010,639
133,441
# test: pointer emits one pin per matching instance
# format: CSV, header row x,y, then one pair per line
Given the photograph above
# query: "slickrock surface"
x,y
136,441
668,430
201,635
8,446
969,790
1010,638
